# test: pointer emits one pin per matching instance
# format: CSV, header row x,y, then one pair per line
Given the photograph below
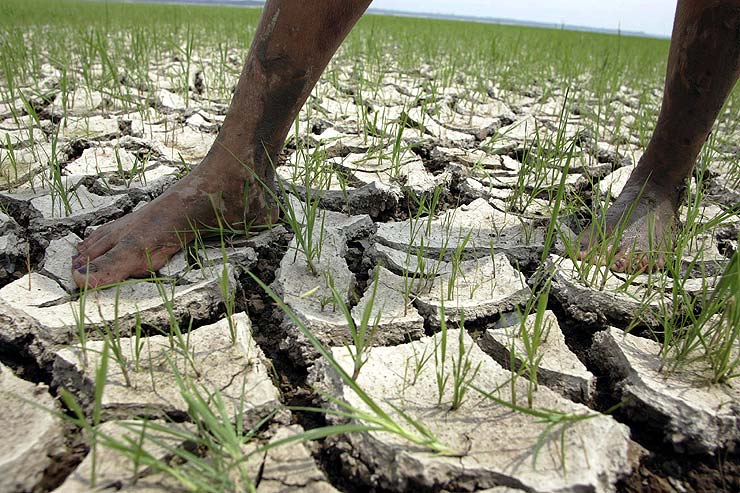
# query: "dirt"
x,y
660,470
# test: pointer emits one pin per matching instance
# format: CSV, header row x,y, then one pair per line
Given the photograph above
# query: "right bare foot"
x,y
643,218
142,242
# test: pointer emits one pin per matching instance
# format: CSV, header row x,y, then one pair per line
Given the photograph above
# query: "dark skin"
x,y
283,64
295,41
703,67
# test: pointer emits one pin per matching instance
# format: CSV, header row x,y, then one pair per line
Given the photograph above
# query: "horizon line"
x,y
430,15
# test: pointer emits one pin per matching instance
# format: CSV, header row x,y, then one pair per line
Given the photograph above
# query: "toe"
x,y
113,266
93,251
631,262
621,262
120,263
96,236
652,263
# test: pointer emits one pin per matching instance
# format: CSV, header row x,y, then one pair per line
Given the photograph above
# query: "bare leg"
x,y
294,42
703,66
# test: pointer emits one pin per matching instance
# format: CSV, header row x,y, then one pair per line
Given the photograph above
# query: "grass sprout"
x,y
363,333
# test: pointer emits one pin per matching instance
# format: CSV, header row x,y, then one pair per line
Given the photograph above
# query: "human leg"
x,y
293,44
703,67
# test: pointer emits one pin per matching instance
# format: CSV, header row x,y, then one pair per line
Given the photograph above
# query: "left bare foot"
x,y
143,241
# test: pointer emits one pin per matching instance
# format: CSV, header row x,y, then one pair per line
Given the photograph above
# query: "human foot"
x,y
640,224
143,241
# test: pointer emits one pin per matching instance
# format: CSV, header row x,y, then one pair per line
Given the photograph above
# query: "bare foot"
x,y
643,218
143,241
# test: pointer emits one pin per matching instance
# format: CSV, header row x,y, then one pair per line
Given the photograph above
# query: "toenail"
x,y
85,269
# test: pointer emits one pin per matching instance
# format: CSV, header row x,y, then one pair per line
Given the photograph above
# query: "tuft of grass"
x,y
533,340
463,372
711,340
440,356
361,335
